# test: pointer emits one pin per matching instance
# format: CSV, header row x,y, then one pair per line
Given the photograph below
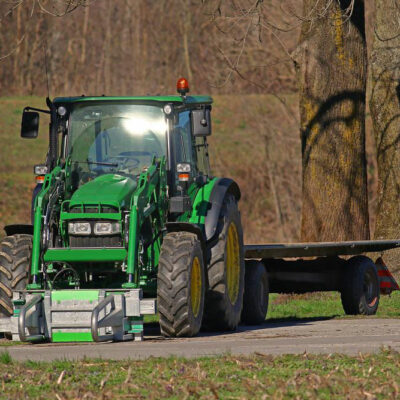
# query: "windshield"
x,y
114,138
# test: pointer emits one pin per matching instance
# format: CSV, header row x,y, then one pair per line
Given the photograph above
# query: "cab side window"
x,y
203,164
183,140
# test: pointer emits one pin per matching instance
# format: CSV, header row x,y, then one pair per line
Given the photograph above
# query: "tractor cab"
x,y
95,136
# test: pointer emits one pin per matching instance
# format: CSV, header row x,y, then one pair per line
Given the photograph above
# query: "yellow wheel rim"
x,y
196,286
233,263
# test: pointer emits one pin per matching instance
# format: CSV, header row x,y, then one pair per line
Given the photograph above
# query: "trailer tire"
x,y
256,293
360,289
15,256
224,297
180,285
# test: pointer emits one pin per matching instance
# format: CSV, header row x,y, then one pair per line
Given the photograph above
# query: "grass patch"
x,y
226,377
324,305
5,357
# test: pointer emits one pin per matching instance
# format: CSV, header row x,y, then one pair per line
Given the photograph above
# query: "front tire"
x,y
180,285
15,256
360,292
224,298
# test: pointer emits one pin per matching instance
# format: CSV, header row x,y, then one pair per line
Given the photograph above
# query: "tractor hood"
x,y
105,189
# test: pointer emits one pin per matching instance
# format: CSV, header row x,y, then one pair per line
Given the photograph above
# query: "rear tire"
x,y
224,298
256,293
15,256
180,285
360,292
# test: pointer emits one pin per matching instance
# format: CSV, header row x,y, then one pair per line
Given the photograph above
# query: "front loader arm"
x,y
148,199
50,185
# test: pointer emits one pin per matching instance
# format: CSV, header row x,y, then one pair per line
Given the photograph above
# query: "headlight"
x,y
79,228
183,167
106,228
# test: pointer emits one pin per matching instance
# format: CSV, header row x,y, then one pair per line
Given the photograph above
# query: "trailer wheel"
x,y
360,292
180,285
224,297
256,293
15,256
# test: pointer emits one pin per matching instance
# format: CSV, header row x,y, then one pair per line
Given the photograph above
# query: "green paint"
x,y
75,216
201,203
33,286
161,99
63,295
133,242
82,255
136,325
40,205
37,230
136,329
60,336
105,189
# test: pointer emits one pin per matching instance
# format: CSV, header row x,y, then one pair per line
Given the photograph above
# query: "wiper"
x,y
98,163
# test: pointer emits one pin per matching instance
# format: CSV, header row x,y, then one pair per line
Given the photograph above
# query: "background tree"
x,y
385,112
238,51
332,76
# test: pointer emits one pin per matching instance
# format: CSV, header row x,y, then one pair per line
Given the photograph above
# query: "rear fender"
x,y
208,202
221,188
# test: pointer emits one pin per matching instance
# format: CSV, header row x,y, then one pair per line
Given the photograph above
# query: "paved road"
x,y
349,336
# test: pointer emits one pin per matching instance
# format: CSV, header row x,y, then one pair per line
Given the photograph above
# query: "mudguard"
x,y
18,229
221,187
208,203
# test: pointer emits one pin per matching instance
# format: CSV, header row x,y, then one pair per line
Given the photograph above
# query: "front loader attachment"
x,y
78,315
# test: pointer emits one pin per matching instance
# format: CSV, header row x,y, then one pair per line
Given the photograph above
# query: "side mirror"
x,y
30,125
201,122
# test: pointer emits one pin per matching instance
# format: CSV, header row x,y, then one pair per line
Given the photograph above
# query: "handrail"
x,y
95,319
22,317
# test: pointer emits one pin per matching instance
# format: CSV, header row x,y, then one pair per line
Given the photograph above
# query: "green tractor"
x,y
127,220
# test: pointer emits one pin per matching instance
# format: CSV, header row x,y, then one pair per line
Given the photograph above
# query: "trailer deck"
x,y
318,249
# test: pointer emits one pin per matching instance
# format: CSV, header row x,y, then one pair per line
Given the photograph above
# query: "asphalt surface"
x,y
350,336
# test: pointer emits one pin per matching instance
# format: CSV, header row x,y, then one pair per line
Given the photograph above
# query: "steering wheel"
x,y
126,162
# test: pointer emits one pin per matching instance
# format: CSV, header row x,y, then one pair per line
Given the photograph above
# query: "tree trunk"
x,y
332,78
385,112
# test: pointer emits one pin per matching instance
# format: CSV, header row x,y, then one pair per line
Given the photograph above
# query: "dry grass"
x,y
225,377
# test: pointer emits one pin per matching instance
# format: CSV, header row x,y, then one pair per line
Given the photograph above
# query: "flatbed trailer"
x,y
319,266
318,249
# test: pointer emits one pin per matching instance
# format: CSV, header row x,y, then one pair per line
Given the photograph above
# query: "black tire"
x,y
256,293
224,300
15,256
360,289
180,310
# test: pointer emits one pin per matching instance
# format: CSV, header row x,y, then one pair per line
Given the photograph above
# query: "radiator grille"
x,y
94,209
95,241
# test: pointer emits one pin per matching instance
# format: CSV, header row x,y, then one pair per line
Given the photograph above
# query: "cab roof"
x,y
161,99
